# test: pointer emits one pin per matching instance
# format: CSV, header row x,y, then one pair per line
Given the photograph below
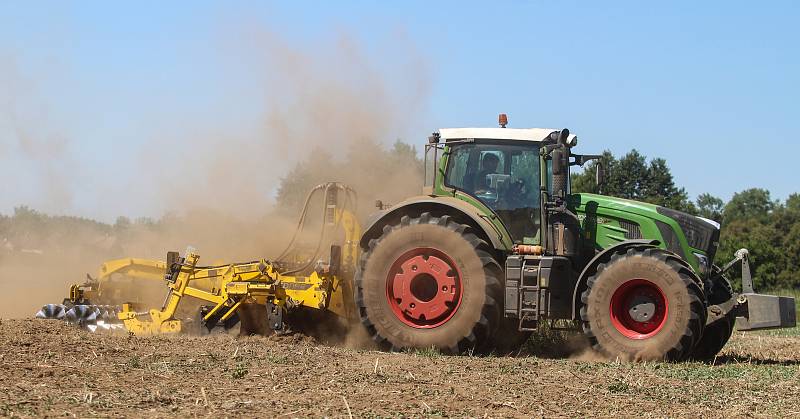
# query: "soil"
x,y
52,368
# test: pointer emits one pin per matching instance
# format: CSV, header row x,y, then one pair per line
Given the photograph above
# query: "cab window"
x,y
505,177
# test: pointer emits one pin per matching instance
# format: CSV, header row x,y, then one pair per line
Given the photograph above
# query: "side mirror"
x,y
600,175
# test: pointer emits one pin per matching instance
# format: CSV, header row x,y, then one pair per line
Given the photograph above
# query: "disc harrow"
x,y
258,295
87,316
52,311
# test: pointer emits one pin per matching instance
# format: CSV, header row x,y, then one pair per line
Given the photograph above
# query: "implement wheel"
x,y
429,282
643,305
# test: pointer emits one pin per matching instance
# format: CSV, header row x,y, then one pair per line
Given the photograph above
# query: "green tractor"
x,y
498,245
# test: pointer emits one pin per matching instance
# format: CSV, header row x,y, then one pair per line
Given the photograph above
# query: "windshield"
x,y
505,177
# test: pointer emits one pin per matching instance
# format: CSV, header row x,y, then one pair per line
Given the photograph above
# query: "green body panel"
x,y
600,222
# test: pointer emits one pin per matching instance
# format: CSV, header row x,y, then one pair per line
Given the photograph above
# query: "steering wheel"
x,y
514,193
517,188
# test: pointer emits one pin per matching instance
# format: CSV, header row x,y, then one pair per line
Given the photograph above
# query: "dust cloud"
x,y
321,107
29,143
329,111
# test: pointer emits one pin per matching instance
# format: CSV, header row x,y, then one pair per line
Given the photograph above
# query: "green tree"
x,y
631,177
585,181
659,188
766,256
750,204
709,206
789,276
770,230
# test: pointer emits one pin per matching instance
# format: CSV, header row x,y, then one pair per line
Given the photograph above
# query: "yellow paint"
x,y
228,287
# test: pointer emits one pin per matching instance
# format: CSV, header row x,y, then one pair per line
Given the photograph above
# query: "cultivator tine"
x,y
52,311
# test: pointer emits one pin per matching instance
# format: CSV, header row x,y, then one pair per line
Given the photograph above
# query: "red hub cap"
x,y
639,309
423,288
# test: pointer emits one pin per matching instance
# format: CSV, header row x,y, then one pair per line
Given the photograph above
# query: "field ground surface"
x,y
54,369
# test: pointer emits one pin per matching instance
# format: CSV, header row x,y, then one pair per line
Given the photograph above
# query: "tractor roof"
x,y
519,134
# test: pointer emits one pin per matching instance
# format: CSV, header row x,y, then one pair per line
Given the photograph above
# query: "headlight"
x,y
703,265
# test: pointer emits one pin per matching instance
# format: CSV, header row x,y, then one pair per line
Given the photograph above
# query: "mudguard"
x,y
443,205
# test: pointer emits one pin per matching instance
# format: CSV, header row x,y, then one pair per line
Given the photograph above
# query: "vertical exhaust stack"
x,y
562,224
560,158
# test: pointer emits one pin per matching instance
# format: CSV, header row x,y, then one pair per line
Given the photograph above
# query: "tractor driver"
x,y
488,167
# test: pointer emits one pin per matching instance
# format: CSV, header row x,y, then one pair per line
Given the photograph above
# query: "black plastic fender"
x,y
461,211
605,254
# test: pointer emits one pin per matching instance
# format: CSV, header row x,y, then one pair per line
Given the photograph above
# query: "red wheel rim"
x,y
639,309
423,288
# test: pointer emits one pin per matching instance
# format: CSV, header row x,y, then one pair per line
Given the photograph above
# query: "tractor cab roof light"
x,y
502,119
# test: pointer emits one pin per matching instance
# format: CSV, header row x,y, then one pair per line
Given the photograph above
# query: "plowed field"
x,y
53,369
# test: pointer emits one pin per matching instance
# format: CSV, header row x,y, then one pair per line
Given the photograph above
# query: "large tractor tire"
x,y
429,282
644,305
719,331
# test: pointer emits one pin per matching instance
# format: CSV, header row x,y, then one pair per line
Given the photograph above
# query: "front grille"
x,y
670,239
632,231
699,234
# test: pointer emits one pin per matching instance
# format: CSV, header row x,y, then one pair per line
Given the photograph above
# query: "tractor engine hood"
x,y
701,235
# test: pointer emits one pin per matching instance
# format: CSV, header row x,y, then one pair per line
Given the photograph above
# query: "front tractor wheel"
x,y
719,328
429,282
643,305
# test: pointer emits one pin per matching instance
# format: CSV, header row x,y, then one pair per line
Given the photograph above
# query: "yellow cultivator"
x,y
258,294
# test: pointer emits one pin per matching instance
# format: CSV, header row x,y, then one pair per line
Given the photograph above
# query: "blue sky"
x,y
709,86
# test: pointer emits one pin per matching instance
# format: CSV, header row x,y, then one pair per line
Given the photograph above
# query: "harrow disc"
x,y
84,316
108,314
107,318
103,325
52,311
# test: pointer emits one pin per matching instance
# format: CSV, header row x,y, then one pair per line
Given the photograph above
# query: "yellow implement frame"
x,y
298,280
228,287
102,289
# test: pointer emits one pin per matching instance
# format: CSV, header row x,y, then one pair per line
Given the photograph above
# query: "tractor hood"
x,y
614,219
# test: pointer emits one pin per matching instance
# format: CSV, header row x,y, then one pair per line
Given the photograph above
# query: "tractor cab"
x,y
503,169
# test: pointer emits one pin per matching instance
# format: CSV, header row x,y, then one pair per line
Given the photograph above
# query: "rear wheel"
x,y
643,305
429,282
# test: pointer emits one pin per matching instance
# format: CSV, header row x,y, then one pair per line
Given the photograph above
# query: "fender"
x,y
606,253
437,205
